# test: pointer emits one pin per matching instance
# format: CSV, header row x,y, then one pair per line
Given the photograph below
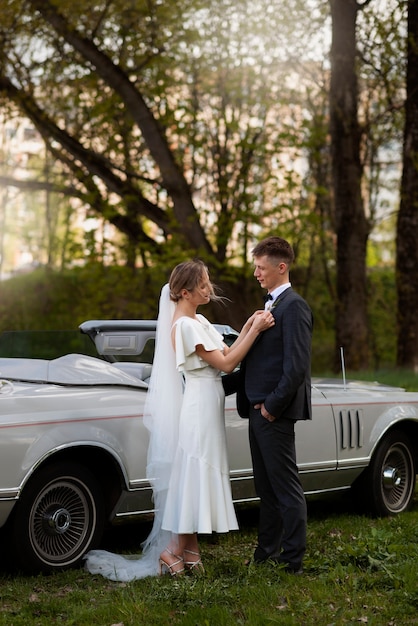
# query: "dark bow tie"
x,y
267,297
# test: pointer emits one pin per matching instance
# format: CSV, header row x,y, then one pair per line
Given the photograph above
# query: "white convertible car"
x,y
73,445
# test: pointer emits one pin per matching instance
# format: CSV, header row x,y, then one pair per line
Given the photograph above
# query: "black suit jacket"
x,y
276,370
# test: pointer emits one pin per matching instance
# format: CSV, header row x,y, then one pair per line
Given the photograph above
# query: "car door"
x,y
316,450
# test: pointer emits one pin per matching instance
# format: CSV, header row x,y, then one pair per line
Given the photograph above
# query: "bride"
x,y
187,463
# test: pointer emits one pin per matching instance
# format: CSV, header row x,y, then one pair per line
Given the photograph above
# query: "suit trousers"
x,y
283,516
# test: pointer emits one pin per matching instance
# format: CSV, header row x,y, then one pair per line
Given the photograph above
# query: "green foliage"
x,y
382,318
51,300
62,300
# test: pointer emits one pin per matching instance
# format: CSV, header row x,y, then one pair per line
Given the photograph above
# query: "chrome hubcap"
x,y
59,521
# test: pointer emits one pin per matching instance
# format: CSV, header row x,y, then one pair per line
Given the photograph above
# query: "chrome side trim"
x,y
9,494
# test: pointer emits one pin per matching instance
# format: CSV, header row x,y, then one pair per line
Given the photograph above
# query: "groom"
x,y
274,390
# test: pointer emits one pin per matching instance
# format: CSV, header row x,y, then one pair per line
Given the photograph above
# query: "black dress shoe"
x,y
296,570
260,561
262,557
289,568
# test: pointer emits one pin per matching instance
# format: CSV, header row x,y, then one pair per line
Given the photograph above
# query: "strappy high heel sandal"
x,y
170,568
195,565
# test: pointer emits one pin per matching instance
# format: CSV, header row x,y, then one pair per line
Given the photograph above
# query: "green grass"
x,y
398,378
394,377
358,570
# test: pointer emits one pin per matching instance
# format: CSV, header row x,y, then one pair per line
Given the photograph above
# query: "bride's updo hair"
x,y
189,275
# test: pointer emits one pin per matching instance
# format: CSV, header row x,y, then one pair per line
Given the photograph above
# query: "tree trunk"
x,y
407,225
352,227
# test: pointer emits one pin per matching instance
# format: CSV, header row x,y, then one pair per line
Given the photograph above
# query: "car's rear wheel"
x,y
389,482
58,518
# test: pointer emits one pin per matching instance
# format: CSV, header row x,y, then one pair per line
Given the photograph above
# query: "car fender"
x,y
61,438
398,415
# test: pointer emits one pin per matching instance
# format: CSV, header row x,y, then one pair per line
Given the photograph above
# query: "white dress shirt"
x,y
275,294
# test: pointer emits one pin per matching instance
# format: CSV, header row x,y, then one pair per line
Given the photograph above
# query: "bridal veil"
x,y
161,417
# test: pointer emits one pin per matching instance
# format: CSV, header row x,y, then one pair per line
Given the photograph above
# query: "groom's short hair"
x,y
275,247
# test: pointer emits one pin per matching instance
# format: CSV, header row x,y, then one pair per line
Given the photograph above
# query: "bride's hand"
x,y
262,320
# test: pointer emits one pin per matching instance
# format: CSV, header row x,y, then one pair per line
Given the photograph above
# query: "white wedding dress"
x,y
199,495
187,457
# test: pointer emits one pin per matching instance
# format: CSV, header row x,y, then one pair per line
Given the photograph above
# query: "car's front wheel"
x,y
58,518
388,485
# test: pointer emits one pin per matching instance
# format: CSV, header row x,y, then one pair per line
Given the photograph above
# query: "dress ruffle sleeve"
x,y
191,333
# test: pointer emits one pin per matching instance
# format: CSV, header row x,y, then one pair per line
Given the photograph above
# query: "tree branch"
x,y
172,177
93,162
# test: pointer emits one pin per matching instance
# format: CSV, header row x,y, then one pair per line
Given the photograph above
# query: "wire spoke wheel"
x,y
389,483
59,517
397,470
